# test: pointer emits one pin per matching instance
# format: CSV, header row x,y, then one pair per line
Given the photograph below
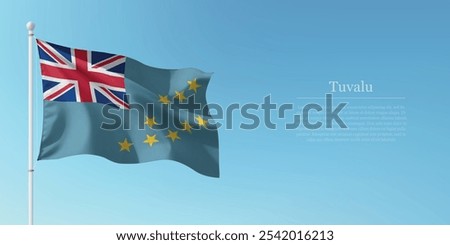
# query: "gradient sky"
x,y
288,49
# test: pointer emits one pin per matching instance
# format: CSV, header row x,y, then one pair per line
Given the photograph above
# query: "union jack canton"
x,y
75,75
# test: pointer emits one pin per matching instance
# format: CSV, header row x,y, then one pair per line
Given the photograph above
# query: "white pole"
x,y
30,27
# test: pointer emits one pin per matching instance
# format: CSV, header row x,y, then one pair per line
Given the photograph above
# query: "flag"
x,y
115,107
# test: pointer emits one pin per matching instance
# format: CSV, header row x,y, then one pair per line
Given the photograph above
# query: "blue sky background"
x,y
255,48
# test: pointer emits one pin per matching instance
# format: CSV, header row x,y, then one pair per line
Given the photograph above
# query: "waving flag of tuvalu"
x,y
118,108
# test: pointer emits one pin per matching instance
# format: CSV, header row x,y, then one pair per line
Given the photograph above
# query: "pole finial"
x,y
30,27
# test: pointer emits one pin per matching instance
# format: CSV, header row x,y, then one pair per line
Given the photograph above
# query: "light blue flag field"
x,y
118,108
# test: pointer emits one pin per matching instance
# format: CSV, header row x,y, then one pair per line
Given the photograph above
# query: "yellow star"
x,y
125,145
187,126
151,139
173,135
164,99
201,121
193,85
150,121
179,95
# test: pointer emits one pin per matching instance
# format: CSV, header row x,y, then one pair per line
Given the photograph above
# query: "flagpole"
x,y
30,27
